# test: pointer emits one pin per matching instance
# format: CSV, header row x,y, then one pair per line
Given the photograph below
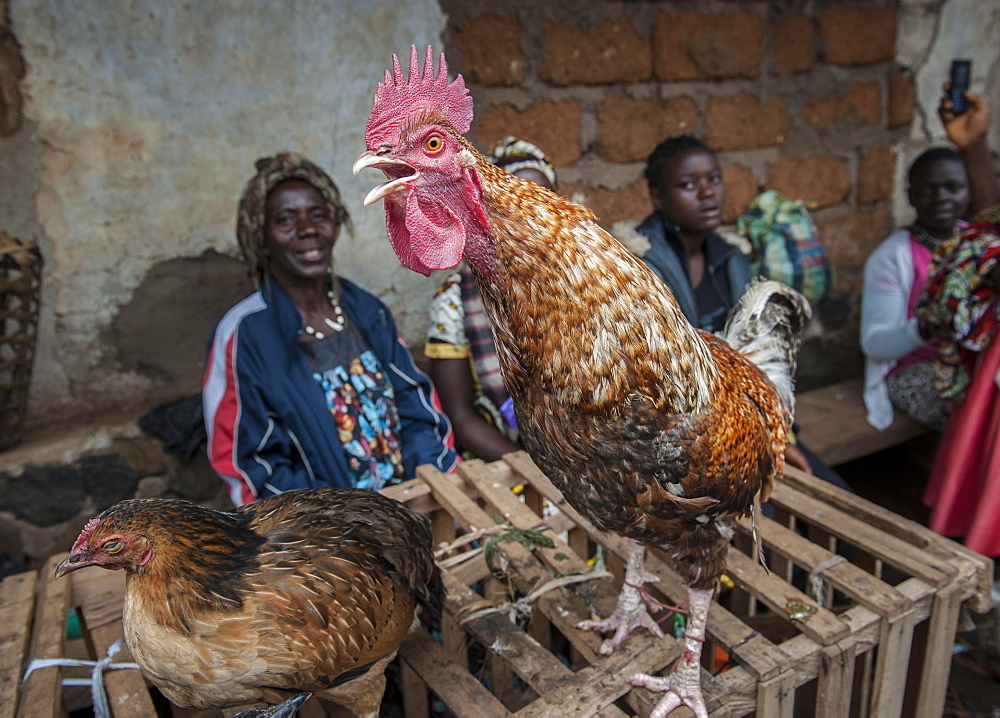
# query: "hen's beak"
x,y
72,563
399,173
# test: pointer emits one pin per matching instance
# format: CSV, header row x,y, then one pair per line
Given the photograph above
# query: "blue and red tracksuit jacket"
x,y
269,428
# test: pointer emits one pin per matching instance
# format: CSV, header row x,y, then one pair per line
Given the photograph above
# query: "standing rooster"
x,y
309,590
651,429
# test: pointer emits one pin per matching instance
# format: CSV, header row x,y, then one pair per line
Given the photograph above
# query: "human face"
x,y
299,232
691,192
939,193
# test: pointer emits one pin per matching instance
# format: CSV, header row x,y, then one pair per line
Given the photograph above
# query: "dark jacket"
x,y
269,427
666,255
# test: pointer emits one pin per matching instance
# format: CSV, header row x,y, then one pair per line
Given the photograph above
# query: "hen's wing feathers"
x,y
339,577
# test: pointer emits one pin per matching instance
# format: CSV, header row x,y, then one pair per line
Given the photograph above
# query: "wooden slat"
x,y
42,693
938,654
977,568
841,405
128,695
891,550
890,668
835,683
17,606
856,583
447,679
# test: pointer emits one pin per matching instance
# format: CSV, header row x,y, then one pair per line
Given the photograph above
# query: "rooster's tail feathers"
x,y
766,327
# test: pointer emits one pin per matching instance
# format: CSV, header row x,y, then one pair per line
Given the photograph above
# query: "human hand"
x,y
969,127
795,457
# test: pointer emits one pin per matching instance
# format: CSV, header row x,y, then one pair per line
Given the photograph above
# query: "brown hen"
x,y
651,428
309,590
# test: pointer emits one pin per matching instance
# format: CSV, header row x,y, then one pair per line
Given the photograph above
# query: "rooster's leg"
x,y
683,685
630,613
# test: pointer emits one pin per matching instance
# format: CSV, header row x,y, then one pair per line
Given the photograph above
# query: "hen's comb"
x,y
421,93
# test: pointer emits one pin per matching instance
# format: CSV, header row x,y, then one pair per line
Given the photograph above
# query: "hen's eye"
x,y
113,546
434,143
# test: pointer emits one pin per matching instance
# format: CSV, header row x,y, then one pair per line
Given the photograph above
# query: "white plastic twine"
x,y
96,680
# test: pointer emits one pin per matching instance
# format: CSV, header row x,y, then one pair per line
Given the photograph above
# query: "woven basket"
x,y
20,282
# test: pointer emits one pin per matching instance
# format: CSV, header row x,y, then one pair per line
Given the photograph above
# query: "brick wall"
x,y
800,97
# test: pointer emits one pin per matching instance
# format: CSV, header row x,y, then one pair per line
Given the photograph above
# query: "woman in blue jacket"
x,y
308,382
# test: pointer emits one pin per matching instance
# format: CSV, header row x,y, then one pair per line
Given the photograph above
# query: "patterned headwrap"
x,y
512,154
272,171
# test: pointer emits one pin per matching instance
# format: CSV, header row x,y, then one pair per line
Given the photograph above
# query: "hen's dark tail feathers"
x,y
430,594
766,327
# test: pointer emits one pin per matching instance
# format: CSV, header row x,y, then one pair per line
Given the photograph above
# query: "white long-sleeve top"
x,y
886,334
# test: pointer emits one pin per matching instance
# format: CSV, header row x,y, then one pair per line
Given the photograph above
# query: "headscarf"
x,y
512,154
272,171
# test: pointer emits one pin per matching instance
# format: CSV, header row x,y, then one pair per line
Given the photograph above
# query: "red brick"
x,y
793,44
610,206
611,53
820,181
875,173
739,122
862,103
631,128
742,186
849,240
866,100
858,36
902,99
490,46
693,46
553,126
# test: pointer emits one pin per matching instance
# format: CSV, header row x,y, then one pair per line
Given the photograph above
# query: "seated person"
x,y
460,345
308,382
960,306
706,274
899,358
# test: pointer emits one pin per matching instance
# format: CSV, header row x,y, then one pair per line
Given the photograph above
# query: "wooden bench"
x,y
835,427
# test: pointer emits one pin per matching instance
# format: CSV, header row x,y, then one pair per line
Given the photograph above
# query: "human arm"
x,y
453,379
794,457
248,445
425,432
886,333
968,132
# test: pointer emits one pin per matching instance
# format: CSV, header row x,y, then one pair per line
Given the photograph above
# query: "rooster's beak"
x,y
72,563
399,173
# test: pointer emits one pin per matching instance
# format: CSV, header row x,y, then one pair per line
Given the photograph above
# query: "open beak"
x,y
72,563
400,174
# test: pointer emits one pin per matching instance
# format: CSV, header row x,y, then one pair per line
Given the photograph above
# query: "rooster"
x,y
651,428
307,591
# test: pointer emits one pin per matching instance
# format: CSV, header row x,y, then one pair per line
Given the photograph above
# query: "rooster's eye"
x,y
434,143
113,546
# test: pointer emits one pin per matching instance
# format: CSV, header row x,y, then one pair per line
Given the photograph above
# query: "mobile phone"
x,y
961,72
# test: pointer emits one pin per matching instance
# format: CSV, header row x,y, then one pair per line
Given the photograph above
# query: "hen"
x,y
652,429
309,590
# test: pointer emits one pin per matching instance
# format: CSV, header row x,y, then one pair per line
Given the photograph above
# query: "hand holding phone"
x,y
958,84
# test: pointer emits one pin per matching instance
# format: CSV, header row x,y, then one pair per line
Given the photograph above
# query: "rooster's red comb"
x,y
426,93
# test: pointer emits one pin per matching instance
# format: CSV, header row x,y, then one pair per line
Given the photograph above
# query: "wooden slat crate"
x,y
895,587
879,644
